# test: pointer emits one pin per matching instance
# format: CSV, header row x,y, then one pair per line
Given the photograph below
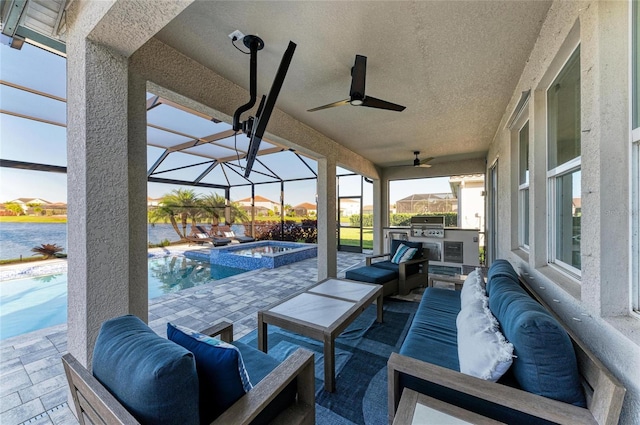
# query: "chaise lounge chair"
x,y
199,235
228,233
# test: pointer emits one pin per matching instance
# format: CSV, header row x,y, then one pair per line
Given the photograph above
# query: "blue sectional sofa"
x,y
553,377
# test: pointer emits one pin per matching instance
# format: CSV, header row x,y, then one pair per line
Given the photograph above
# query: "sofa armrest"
x,y
299,365
374,257
224,329
522,401
402,267
92,401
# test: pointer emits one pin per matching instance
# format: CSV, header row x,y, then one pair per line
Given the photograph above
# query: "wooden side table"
x,y
457,280
419,409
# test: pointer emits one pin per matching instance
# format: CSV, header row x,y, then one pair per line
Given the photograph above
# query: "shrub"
x,y
47,250
305,231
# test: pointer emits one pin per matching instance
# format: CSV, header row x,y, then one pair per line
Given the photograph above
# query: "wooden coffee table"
x,y
321,312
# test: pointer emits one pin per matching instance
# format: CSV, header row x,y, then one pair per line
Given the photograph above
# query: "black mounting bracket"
x,y
254,44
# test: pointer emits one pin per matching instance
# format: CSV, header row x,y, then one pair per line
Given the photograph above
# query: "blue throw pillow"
x,y
403,253
544,359
154,379
395,243
221,372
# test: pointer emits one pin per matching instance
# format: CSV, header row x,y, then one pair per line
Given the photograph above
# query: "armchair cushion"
x,y
221,371
154,379
388,265
260,365
369,274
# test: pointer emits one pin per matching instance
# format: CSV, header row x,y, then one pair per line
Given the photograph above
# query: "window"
x,y
635,153
523,186
563,161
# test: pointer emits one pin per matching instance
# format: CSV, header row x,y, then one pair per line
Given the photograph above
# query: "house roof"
x,y
29,200
427,197
257,198
306,205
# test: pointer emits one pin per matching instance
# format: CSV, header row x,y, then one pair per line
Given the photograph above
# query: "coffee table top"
x,y
344,289
325,304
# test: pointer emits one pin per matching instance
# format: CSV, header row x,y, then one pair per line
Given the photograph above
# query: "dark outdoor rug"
x,y
362,352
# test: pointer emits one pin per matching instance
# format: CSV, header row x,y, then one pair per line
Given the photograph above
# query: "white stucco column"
x,y
605,164
327,242
379,216
107,233
106,164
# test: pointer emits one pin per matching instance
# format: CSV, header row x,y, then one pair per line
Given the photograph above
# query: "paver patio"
x,y
33,388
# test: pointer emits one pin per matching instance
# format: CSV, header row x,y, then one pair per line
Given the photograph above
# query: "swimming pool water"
x,y
259,251
35,303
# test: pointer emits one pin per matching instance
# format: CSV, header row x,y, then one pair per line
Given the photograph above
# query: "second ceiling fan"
x,y
356,94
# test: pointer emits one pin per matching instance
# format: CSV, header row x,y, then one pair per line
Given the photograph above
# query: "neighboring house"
x,y
367,209
306,208
153,202
469,189
427,202
349,207
26,203
262,205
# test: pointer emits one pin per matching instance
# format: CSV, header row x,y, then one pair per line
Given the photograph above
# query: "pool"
x,y
34,303
257,255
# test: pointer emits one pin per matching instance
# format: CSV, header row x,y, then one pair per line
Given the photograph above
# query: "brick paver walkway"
x,y
33,389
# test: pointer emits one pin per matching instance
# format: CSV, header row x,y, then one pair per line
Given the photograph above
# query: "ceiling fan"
x,y
417,162
356,94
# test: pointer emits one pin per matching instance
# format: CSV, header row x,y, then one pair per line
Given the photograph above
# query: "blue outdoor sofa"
x,y
553,377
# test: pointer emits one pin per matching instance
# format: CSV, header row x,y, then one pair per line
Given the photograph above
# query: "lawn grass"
x,y
33,219
351,236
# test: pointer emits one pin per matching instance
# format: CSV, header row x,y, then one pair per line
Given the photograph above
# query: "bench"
x,y
428,363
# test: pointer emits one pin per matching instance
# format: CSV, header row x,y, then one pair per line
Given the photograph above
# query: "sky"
x,y
32,141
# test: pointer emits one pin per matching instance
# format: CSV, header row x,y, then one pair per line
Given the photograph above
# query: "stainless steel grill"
x,y
427,226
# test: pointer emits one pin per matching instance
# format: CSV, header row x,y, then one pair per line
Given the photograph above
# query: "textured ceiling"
x,y
453,64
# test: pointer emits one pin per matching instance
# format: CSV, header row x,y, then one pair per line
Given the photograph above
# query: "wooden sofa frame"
x,y
407,283
603,391
94,404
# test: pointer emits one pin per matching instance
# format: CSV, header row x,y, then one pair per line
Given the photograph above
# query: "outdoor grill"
x,y
427,226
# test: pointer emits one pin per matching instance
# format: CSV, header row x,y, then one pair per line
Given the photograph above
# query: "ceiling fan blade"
x,y
424,161
358,77
331,105
372,102
423,165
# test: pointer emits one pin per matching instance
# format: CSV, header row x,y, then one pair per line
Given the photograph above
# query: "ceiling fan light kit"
x,y
357,96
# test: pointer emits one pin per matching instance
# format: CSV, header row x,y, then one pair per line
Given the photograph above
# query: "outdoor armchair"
x,y
169,396
412,273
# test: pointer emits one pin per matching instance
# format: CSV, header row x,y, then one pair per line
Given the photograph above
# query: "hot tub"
x,y
262,254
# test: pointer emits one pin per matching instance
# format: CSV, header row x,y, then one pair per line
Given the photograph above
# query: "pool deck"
x,y
33,388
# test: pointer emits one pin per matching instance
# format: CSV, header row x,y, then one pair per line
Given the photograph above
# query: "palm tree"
x,y
179,205
213,205
237,213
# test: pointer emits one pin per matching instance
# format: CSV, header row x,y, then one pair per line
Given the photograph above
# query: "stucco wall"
x,y
596,306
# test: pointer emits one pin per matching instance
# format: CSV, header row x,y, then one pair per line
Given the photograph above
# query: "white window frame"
x,y
523,192
552,176
634,104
